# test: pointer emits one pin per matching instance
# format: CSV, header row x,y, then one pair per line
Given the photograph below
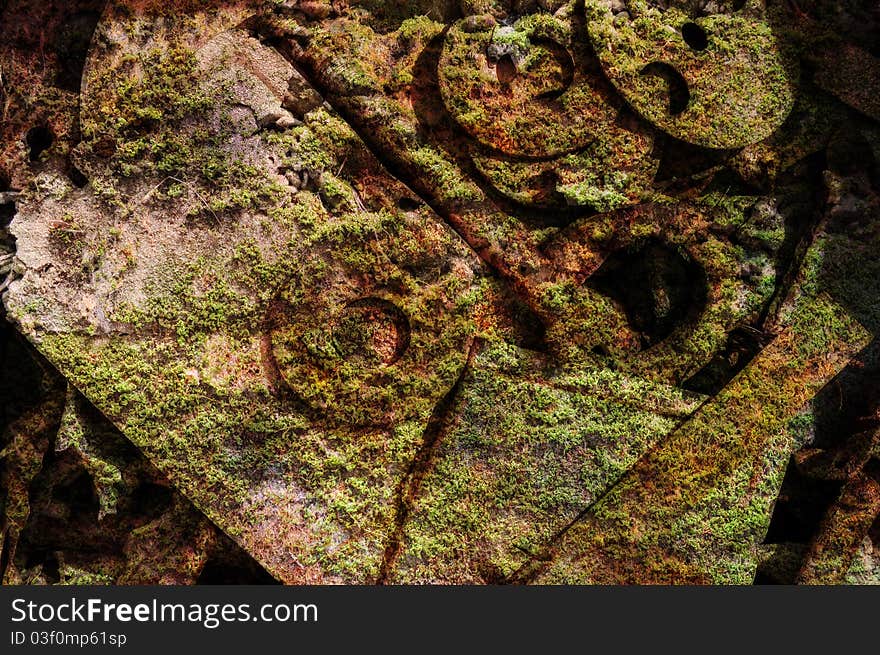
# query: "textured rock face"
x,y
441,293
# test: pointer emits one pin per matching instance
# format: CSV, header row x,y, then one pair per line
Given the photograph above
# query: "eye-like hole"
x,y
505,69
679,94
695,36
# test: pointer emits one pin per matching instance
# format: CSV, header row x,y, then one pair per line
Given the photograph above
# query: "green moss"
x,y
741,86
446,176
418,29
694,509
521,459
73,576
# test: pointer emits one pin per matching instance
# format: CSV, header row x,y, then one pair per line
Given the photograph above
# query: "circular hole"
x,y
39,139
659,288
695,36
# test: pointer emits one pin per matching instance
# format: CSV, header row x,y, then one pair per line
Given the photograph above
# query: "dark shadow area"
x,y
39,139
63,517
782,567
21,377
407,204
150,500
741,347
7,212
387,16
847,404
64,523
658,287
71,43
801,504
231,565
681,161
76,176
845,407
695,36
857,20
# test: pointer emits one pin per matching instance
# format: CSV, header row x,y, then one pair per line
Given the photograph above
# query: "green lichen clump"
x,y
145,97
148,120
